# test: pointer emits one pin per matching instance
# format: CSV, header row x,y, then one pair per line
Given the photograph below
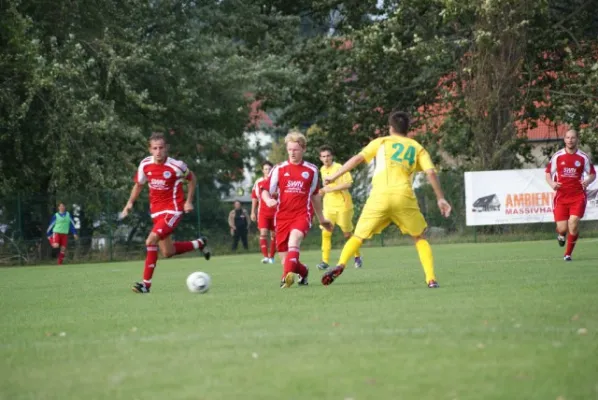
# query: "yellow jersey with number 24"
x,y
397,158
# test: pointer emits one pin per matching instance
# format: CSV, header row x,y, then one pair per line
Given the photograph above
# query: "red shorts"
x,y
265,221
59,238
284,228
563,208
165,224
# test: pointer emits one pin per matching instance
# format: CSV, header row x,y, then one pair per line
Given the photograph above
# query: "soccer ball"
x,y
198,282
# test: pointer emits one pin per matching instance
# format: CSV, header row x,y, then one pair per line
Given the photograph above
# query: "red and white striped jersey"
x,y
165,183
256,193
569,169
295,184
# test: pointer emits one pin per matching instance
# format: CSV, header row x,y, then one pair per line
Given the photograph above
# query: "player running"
x,y
338,205
264,216
391,198
569,173
58,231
296,182
165,177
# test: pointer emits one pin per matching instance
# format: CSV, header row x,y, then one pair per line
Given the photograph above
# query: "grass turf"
x,y
510,321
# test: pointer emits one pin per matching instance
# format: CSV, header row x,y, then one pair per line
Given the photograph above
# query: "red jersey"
x,y
165,183
256,193
295,184
569,170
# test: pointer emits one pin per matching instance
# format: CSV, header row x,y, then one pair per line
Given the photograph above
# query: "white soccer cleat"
x,y
266,260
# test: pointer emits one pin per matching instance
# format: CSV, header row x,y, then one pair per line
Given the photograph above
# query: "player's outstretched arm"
x,y
443,205
268,200
348,166
319,210
135,192
191,184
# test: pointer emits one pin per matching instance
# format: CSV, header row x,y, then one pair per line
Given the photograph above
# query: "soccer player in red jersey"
x,y
569,173
165,177
264,216
296,182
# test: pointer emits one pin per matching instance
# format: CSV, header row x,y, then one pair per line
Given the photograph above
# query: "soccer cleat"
x,y
358,262
203,243
271,260
302,281
331,275
323,265
288,280
139,287
561,240
265,260
433,284
567,258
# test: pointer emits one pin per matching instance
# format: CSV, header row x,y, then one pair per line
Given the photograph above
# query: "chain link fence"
x,y
24,219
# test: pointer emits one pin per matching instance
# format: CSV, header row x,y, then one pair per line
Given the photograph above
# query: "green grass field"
x,y
510,321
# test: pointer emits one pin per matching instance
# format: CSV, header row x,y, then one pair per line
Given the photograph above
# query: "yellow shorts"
x,y
344,219
380,210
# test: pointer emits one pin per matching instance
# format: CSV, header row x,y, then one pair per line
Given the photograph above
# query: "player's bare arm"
x,y
135,192
191,184
268,200
588,181
318,209
443,205
348,166
554,185
254,203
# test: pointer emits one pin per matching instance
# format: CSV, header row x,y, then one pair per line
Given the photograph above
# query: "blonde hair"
x,y
296,137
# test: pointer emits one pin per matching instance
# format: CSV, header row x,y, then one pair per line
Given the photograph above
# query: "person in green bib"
x,y
58,232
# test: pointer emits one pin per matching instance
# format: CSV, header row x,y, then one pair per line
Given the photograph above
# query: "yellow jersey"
x,y
338,200
397,159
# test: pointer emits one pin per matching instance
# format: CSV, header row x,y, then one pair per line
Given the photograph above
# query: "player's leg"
x,y
62,243
327,240
264,244
577,210
373,220
410,221
345,222
292,265
151,259
272,241
169,248
561,216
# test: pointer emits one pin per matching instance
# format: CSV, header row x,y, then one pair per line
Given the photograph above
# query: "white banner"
x,y
518,196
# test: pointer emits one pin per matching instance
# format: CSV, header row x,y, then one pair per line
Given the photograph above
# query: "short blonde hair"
x,y
296,137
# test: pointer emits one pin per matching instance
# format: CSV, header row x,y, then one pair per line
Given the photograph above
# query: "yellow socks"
x,y
426,258
326,245
351,248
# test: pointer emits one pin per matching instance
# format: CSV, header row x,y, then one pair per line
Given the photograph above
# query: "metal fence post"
x,y
110,233
197,208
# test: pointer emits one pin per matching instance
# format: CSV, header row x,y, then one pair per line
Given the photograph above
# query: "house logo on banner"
x,y
515,197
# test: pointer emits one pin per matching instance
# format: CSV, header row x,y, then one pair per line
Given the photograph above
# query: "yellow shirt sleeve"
x,y
369,151
424,161
346,178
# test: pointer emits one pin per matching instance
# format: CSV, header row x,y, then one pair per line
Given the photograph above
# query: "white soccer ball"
x,y
199,282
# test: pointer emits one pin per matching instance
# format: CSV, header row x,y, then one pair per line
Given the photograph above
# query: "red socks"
x,y
272,247
571,239
150,264
185,247
60,257
292,263
264,245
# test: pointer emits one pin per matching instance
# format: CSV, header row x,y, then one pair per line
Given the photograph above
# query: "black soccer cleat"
x,y
207,254
433,284
561,240
331,275
323,266
139,287
567,258
302,281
